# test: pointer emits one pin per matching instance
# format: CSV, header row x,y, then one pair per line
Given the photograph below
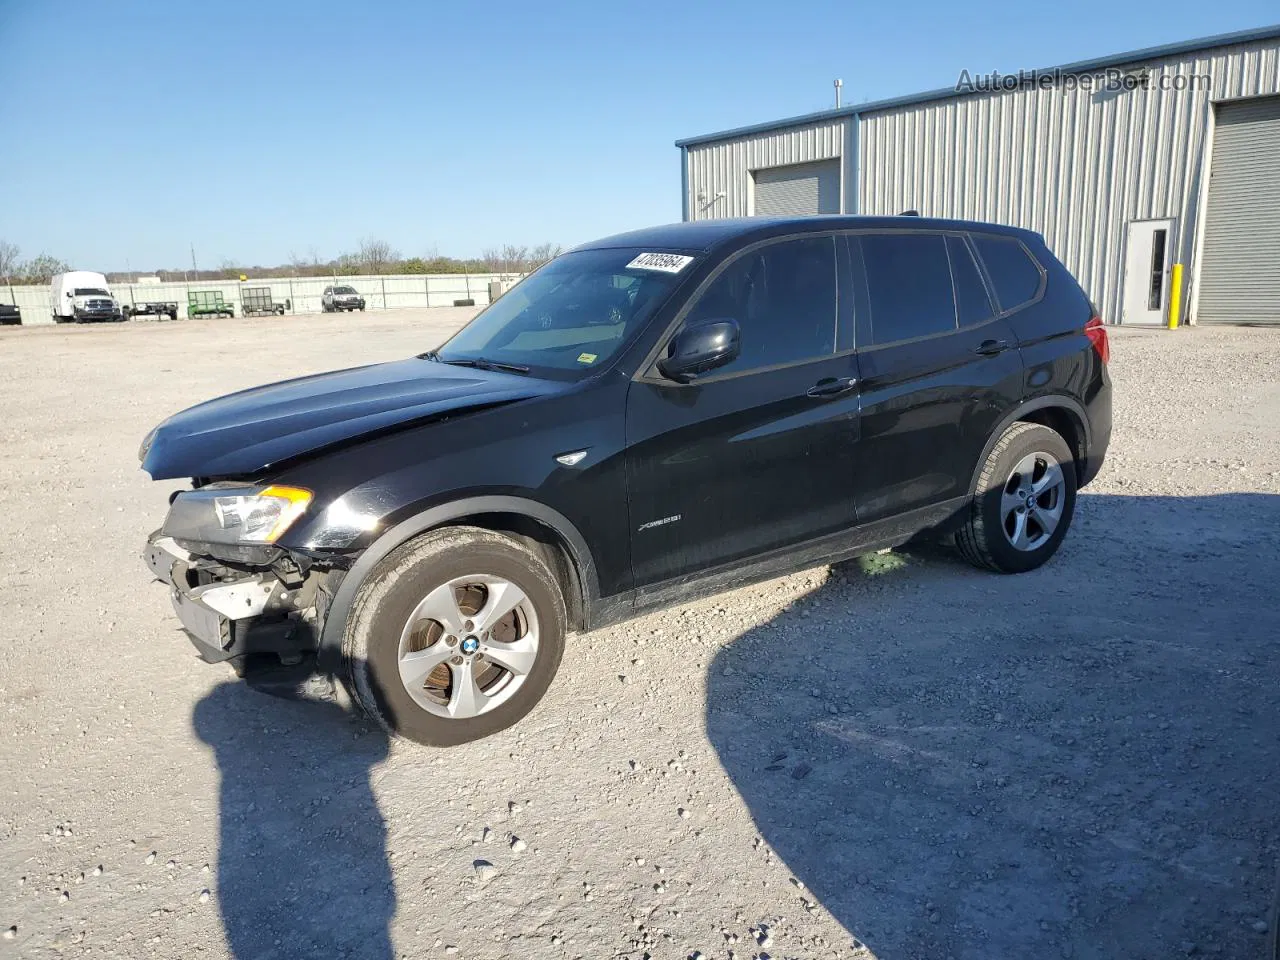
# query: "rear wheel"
x,y
1024,501
454,636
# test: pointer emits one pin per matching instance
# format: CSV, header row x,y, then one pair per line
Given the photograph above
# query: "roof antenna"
x,y
838,85
909,213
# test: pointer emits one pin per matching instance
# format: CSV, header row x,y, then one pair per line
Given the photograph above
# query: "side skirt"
x,y
939,518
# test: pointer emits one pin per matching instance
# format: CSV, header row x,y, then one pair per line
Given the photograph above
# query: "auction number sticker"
x,y
662,262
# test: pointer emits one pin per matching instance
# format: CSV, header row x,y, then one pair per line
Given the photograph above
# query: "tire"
x,y
386,624
1004,492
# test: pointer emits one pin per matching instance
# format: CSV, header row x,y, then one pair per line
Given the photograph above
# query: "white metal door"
x,y
1147,251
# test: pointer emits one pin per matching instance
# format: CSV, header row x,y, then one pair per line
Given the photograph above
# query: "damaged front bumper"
x,y
237,615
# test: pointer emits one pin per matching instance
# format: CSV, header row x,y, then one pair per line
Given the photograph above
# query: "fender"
x,y
335,621
1059,401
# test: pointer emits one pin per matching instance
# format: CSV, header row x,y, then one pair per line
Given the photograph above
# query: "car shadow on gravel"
x,y
1076,762
302,864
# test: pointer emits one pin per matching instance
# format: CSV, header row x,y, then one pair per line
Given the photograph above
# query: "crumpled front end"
x,y
265,620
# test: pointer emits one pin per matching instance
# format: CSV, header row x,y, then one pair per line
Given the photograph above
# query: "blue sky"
x,y
256,130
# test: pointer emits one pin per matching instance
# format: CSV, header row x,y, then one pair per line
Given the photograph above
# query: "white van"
x,y
83,296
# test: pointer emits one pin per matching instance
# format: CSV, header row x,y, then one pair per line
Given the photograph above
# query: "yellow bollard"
x,y
1175,297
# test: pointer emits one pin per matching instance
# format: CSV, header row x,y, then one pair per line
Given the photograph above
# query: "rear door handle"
x,y
832,387
989,348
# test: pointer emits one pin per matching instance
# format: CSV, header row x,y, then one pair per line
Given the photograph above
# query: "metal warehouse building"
x,y
1127,165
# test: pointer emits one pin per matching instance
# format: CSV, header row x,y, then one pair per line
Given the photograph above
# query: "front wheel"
x,y
454,636
1024,501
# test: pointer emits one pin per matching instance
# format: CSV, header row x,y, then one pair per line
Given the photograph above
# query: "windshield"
x,y
91,292
569,317
343,289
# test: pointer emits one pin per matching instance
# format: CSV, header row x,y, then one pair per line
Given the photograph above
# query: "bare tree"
x,y
41,269
8,260
376,255
541,254
491,259
348,264
514,257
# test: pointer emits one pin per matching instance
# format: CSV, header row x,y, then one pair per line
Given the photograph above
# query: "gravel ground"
x,y
901,757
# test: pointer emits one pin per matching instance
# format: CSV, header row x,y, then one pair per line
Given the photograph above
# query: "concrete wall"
x,y
401,290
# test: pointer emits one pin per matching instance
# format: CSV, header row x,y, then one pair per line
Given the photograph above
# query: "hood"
x,y
251,431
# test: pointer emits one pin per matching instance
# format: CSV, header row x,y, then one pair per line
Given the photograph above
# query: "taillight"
x,y
1096,331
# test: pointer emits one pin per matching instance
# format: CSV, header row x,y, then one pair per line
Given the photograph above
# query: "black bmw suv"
x,y
648,418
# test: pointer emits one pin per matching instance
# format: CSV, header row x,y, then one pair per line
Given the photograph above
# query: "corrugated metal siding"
x,y
1240,264
799,190
727,167
1074,165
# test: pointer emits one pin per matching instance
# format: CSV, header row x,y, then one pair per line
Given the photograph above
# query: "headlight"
x,y
147,441
235,515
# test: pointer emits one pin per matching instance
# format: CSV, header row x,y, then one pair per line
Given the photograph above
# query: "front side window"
x,y
572,315
1013,273
908,286
783,298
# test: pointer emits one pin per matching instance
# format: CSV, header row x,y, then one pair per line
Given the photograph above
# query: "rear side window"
x,y
908,285
1013,273
783,297
973,306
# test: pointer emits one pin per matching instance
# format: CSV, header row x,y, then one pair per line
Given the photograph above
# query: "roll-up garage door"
x,y
1240,270
800,190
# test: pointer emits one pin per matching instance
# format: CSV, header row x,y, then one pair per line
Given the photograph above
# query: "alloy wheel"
x,y
468,646
1032,500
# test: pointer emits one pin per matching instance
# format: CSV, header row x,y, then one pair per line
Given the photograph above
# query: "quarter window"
x,y
783,297
1015,276
973,306
908,285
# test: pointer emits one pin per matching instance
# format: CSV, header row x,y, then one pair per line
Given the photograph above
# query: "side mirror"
x,y
700,348
70,294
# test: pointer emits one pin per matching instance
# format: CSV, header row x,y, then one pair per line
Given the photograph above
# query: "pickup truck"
x,y
9,314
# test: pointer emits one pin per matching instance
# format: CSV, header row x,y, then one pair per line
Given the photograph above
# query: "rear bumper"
x,y
1099,412
229,619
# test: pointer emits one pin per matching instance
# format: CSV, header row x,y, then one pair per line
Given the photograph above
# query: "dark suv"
x,y
651,417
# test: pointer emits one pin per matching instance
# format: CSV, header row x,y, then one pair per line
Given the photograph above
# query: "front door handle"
x,y
832,387
989,348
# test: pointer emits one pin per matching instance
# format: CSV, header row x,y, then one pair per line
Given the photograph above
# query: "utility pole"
x,y
194,268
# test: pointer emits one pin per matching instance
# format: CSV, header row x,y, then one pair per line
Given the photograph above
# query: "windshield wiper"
x,y
480,363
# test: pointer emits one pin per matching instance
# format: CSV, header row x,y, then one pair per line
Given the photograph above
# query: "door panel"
x,y
738,466
928,408
759,453
928,401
